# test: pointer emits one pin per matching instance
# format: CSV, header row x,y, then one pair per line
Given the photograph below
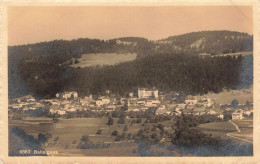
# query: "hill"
x,y
39,68
211,42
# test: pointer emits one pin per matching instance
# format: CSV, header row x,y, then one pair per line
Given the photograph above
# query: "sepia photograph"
x,y
130,81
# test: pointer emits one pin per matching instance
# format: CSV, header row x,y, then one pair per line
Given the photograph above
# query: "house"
x,y
89,98
212,112
191,102
99,103
144,108
61,112
54,108
141,102
221,116
237,115
121,100
110,107
28,98
105,100
84,102
67,95
145,93
71,109
133,109
162,107
199,111
181,106
131,94
152,103
162,112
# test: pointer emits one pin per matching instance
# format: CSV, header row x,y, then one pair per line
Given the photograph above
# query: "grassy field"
x,y
246,129
220,129
88,60
226,96
70,131
66,134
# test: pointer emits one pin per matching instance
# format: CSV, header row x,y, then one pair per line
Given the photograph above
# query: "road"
x,y
238,130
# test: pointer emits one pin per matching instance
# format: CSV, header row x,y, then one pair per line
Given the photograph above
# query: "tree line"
x,y
179,72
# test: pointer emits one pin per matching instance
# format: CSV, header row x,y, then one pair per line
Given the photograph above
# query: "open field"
x,y
237,53
218,129
66,135
226,96
101,59
221,129
246,129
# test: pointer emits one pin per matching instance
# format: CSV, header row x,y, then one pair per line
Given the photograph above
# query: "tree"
x,y
114,133
121,119
125,128
42,138
139,121
76,61
115,114
84,139
133,122
99,131
55,120
234,103
110,121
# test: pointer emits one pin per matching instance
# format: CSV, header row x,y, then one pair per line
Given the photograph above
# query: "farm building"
x,y
237,115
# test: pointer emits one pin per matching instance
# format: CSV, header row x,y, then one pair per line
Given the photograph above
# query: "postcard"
x,y
129,83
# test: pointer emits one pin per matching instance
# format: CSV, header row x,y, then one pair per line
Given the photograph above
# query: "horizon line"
x,y
38,42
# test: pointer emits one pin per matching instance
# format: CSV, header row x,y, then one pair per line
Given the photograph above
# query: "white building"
x,y
181,105
163,112
152,103
99,103
191,102
141,102
131,94
221,116
105,100
61,112
237,115
67,95
145,93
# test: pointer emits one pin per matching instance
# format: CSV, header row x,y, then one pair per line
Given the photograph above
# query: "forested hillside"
x,y
189,74
211,42
185,73
171,63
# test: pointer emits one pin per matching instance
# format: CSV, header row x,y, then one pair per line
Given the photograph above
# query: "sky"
x,y
36,24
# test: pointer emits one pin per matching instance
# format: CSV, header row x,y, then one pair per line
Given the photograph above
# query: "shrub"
x,y
125,128
99,131
115,133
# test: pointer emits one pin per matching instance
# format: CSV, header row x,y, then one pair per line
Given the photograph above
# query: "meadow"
x,y
101,59
221,129
66,135
227,96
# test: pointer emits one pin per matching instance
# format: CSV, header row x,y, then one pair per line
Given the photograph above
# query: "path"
x,y
238,130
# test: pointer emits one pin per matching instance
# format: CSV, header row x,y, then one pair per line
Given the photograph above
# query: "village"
x,y
140,100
